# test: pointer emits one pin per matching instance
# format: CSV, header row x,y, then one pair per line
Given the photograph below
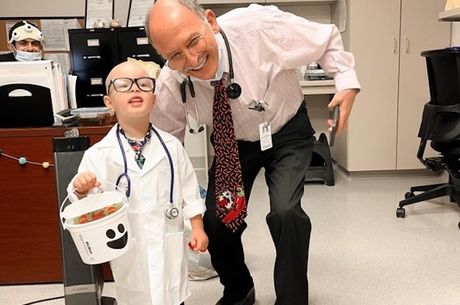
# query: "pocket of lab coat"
x,y
176,264
126,270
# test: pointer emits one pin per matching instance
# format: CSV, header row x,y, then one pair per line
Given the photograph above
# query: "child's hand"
x,y
198,240
84,182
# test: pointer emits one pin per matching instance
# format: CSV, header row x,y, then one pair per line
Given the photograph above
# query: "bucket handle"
x,y
98,189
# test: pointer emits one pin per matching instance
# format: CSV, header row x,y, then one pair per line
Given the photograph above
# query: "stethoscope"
x,y
171,212
233,89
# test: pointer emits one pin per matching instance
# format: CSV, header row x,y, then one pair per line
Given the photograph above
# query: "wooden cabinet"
x,y
29,229
386,38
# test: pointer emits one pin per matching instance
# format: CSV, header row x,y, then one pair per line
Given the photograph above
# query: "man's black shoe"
x,y
249,299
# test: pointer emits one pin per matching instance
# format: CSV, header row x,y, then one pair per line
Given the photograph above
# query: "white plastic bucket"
x,y
105,234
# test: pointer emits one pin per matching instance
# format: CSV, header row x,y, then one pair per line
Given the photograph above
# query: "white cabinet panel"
x,y
373,38
387,38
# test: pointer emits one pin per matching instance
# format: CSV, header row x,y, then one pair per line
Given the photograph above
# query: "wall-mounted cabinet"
x,y
386,38
450,15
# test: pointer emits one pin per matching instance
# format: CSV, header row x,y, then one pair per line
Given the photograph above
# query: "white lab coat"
x,y
154,270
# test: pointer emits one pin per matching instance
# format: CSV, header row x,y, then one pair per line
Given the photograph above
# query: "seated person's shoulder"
x,y
7,57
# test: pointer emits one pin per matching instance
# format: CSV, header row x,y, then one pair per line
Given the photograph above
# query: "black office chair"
x,y
440,125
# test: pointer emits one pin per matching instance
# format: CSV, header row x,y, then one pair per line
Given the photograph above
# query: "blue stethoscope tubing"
x,y
125,165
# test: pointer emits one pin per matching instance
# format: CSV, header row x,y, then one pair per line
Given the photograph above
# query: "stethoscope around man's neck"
x,y
233,88
125,165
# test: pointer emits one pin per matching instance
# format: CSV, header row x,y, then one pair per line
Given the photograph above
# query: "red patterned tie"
x,y
230,199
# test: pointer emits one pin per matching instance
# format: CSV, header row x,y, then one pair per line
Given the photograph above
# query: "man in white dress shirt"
x,y
265,45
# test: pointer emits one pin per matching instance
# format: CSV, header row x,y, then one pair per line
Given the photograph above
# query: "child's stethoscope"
x,y
233,89
172,211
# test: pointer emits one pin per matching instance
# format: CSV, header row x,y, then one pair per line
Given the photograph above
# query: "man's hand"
x,y
344,99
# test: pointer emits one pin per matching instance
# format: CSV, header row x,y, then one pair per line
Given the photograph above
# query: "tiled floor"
x,y
360,253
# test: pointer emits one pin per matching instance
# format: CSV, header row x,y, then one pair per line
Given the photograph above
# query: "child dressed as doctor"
x,y
154,270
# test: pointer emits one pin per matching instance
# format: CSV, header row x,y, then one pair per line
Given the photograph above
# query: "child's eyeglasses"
x,y
124,84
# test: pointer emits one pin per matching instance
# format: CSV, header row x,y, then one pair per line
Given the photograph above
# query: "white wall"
x,y
48,8
54,8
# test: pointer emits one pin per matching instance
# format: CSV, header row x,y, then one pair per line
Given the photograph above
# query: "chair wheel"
x,y
408,195
400,212
459,225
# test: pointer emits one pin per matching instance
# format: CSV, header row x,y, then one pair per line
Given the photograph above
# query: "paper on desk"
x,y
63,58
71,85
62,102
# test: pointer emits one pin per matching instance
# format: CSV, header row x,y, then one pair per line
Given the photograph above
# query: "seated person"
x,y
25,40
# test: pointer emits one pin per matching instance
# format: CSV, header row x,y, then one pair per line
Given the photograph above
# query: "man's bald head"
x,y
164,10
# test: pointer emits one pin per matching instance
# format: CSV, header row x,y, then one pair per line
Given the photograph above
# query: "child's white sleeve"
x,y
193,203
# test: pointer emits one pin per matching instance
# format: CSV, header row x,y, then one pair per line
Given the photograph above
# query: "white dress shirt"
x,y
267,45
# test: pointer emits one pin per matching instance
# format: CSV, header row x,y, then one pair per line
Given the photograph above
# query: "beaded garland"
x,y
23,160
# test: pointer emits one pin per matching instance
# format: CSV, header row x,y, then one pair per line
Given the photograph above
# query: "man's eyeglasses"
x,y
124,84
196,46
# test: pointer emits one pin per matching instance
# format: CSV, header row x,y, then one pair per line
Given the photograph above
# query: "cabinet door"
x,y
373,38
29,230
420,31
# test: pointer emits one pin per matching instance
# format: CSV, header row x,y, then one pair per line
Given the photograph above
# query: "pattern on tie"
x,y
229,192
137,146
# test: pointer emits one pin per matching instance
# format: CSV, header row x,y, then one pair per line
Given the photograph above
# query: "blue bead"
x,y
22,160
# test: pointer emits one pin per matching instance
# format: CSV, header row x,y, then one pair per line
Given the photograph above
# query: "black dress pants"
x,y
285,167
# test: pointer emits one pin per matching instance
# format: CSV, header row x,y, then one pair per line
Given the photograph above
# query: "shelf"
x,y
450,15
311,87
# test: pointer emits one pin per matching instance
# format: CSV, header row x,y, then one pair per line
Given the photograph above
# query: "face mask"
x,y
220,65
27,56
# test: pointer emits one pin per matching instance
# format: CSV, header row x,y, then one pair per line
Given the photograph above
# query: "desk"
x,y
310,87
29,229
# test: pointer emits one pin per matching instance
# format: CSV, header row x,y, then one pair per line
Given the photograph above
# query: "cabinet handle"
x,y
406,50
395,45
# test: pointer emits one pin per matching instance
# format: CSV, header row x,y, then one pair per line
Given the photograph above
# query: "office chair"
x,y
440,125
